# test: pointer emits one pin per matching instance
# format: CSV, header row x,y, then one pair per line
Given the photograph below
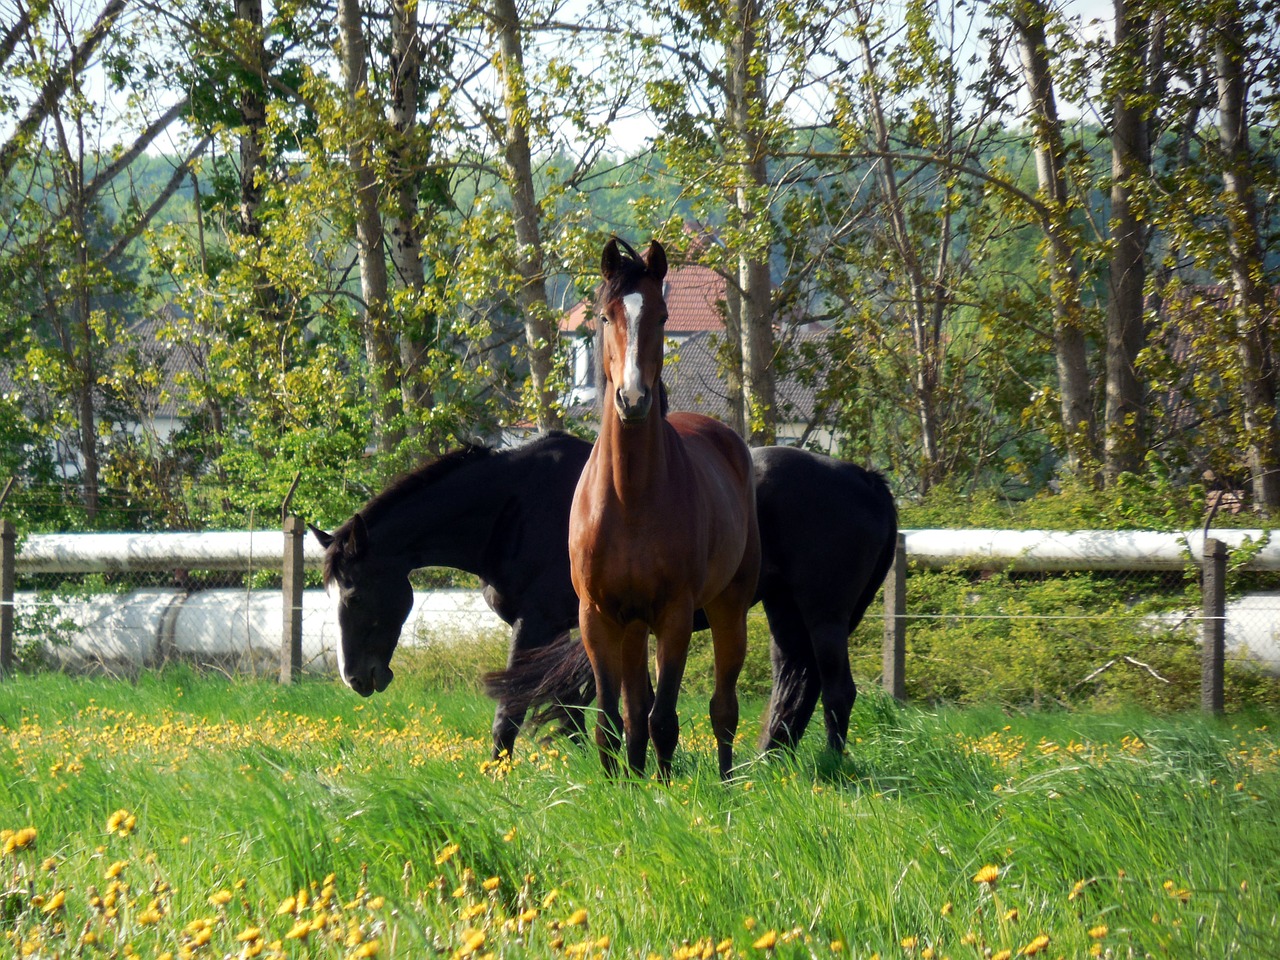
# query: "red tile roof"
x,y
693,293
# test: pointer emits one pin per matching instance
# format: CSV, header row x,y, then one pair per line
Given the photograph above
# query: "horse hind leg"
x,y
831,653
729,644
796,683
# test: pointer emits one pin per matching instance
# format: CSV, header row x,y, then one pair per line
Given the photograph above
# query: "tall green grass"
x,y
1165,831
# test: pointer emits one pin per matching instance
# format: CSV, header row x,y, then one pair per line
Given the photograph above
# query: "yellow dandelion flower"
x,y
473,911
1035,946
509,835
220,898
472,940
249,934
1095,949
56,902
202,936
604,942
115,869
749,923
1002,955
837,946
446,853
492,883
1100,931
367,949
550,898
577,918
18,839
766,941
151,915
121,823
926,953
725,945
300,930
1077,889
377,903
288,905
969,939
988,874
946,909
49,863
1011,916
529,915
909,943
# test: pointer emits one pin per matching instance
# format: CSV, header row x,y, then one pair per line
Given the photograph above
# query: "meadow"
x,y
186,814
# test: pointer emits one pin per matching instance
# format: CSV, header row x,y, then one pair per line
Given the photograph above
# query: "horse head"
x,y
374,601
633,313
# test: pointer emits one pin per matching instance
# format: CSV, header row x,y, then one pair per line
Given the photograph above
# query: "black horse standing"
x,y
828,531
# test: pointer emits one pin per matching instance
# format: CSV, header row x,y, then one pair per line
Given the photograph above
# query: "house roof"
x,y
693,293
695,383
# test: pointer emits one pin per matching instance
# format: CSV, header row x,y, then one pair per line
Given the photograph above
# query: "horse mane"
x,y
406,485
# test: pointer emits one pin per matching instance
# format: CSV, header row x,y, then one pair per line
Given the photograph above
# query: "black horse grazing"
x,y
502,515
828,531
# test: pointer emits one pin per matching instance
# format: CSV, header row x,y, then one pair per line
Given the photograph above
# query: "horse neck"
x,y
636,461
446,524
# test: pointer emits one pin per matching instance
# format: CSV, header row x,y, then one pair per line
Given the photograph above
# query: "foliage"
x,y
233,816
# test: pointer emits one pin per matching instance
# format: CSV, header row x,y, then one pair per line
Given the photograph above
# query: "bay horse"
x,y
828,531
663,523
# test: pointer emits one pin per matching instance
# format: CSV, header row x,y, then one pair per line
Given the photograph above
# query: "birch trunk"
x,y
540,332
380,350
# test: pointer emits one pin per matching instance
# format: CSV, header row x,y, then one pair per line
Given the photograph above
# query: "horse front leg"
x,y
637,694
673,634
601,642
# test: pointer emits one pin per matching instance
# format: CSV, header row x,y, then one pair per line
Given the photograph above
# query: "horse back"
x,y
828,528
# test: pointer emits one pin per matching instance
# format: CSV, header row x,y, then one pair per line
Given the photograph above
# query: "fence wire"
x,y
971,636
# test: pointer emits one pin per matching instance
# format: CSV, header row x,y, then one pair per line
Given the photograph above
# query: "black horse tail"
x,y
549,680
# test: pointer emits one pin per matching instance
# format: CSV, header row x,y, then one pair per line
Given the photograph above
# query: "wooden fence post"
x,y
1213,588
8,576
895,623
291,638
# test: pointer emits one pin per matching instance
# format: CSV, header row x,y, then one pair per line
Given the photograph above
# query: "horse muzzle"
x,y
633,411
369,679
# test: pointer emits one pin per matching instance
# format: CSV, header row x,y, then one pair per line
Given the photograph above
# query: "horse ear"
x,y
324,538
655,258
358,539
611,259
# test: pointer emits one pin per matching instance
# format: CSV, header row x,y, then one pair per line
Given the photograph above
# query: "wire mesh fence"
x,y
975,629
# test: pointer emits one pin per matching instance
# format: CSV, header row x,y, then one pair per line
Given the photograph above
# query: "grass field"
x,y
189,815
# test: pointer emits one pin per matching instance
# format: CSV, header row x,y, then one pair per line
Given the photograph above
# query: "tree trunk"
x,y
540,331
1028,20
925,363
733,357
402,221
253,119
1250,300
379,346
1124,436
747,107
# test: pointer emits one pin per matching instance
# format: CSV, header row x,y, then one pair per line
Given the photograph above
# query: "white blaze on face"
x,y
338,651
632,382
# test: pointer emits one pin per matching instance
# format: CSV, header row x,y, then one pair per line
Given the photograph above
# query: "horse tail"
x,y
548,680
